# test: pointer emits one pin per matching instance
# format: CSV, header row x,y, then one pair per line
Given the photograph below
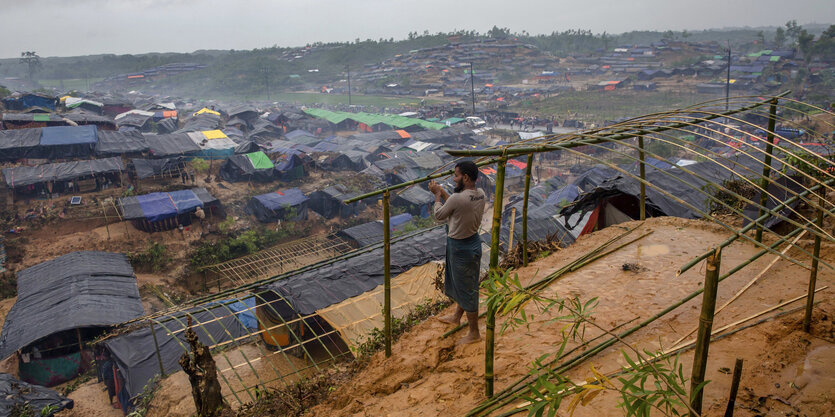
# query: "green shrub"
x,y
154,258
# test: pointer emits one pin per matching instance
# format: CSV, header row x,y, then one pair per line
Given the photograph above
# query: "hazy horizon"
x,y
91,27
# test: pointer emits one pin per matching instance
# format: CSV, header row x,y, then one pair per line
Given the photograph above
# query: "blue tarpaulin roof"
x,y
69,135
399,219
279,199
161,206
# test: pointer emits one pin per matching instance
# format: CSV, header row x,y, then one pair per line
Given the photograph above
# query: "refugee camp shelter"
x,y
370,233
289,165
290,204
156,212
63,177
328,203
253,166
415,201
61,305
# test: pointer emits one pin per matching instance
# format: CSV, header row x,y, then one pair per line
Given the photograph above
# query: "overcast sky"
x,y
82,27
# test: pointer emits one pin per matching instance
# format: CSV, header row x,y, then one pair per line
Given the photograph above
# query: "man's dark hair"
x,y
469,169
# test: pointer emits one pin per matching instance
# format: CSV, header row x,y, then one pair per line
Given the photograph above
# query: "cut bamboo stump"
x,y
202,374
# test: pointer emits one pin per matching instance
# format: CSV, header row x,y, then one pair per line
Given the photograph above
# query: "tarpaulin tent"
x,y
213,144
67,141
328,202
144,168
74,291
121,143
173,144
363,234
161,211
414,200
346,160
247,167
19,143
289,165
542,225
135,353
279,205
63,171
16,394
334,282
27,100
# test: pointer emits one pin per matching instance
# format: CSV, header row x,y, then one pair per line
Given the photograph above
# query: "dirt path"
x,y
428,375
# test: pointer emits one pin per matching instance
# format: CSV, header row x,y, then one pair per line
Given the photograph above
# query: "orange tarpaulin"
x,y
517,164
169,113
403,134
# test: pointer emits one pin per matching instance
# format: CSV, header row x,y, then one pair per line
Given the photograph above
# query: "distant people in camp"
x,y
184,176
464,209
191,175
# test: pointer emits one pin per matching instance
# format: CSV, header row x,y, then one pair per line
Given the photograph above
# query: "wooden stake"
x,y
387,271
525,210
813,277
729,412
705,324
512,226
494,263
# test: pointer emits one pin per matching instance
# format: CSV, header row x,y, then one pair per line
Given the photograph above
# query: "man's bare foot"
x,y
469,338
450,319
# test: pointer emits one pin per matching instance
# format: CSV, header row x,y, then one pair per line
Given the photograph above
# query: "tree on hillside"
x,y
793,31
780,37
498,33
804,44
761,37
32,61
825,46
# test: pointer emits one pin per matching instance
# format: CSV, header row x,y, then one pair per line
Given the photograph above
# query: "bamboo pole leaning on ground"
x,y
490,333
697,377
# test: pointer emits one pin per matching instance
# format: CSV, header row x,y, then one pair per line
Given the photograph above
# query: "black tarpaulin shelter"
x,y
135,352
415,201
112,143
542,225
363,234
62,304
328,202
19,143
347,160
332,283
253,166
172,144
63,171
623,193
144,168
201,123
15,394
290,204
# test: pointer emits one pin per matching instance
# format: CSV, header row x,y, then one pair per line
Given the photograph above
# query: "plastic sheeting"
x,y
356,317
119,143
252,166
171,145
62,171
328,202
160,206
18,143
275,206
135,353
145,168
80,289
68,135
15,393
333,283
364,234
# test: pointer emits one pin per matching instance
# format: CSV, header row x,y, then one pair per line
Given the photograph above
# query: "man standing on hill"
x,y
464,209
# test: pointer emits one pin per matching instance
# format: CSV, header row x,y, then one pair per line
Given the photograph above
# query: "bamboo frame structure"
x,y
813,274
312,340
705,325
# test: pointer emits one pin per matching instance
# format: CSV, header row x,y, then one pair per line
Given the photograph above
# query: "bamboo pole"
x,y
510,232
489,339
525,210
750,226
387,271
705,325
769,148
156,346
813,277
729,411
643,202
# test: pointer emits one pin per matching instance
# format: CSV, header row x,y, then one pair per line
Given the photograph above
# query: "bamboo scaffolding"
x,y
697,377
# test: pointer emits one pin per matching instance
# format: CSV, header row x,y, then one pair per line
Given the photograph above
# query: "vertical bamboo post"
x,y
813,277
769,148
156,346
525,211
512,227
78,336
705,326
729,411
387,271
494,263
643,169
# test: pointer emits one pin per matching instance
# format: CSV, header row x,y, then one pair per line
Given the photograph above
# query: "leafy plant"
x,y
143,402
154,258
376,338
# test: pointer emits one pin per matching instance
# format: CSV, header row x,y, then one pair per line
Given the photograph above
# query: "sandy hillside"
x,y
786,371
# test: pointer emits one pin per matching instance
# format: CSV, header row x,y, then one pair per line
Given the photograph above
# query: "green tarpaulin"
x,y
371,119
43,117
260,160
52,371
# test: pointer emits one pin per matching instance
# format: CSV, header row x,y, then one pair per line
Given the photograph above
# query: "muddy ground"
x,y
786,372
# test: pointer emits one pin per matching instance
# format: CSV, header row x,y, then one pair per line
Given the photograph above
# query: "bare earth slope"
x,y
786,371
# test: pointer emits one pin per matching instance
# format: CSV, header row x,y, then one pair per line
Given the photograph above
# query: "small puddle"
x,y
653,250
